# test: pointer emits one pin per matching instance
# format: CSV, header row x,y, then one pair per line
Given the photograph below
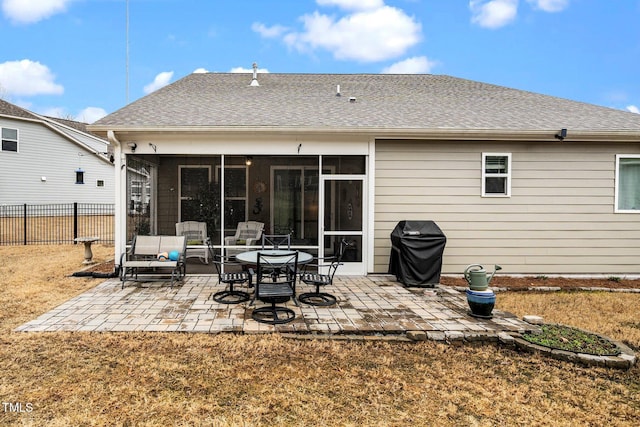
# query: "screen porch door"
x,y
343,217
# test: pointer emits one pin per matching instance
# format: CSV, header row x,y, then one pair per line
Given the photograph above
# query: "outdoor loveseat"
x,y
149,259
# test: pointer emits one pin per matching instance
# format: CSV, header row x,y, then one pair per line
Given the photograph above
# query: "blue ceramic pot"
x,y
481,303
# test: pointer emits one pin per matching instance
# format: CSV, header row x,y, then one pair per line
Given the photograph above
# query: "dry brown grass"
x,y
47,229
198,379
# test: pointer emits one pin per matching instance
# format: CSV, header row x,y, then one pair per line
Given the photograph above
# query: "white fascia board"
x,y
393,133
260,143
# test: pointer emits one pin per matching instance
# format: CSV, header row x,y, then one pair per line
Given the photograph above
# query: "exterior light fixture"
x,y
562,134
248,161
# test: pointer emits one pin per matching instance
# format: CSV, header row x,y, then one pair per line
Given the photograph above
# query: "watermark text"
x,y
17,407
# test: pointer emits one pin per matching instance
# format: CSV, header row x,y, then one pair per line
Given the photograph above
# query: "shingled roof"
x,y
70,129
8,109
375,102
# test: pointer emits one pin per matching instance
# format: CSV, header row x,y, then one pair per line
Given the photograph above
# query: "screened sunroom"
x,y
317,200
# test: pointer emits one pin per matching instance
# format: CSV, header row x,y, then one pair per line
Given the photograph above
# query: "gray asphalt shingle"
x,y
383,101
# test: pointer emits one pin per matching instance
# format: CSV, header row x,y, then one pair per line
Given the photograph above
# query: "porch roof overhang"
x,y
373,133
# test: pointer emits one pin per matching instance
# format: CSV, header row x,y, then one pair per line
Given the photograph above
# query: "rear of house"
x,y
538,184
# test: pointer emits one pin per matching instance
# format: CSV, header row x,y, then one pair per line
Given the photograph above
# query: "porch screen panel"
x,y
235,196
287,197
343,211
311,198
294,196
200,197
194,182
139,187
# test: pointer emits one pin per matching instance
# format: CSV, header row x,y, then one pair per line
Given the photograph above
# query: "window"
x,y
496,174
79,176
627,198
100,183
9,139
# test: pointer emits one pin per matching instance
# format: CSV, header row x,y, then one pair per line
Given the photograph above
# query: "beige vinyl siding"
x,y
559,219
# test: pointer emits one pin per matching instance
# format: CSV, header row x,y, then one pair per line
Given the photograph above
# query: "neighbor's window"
x,y
627,183
9,139
79,176
100,183
496,174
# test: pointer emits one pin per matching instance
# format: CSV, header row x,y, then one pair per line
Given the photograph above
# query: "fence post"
x,y
75,222
24,223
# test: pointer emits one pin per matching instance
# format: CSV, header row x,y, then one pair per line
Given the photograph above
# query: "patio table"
x,y
251,258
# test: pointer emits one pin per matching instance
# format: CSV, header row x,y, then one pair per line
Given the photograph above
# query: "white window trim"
x,y
17,140
489,175
615,199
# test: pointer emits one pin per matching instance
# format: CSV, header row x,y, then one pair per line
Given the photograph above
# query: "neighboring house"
x,y
537,184
45,160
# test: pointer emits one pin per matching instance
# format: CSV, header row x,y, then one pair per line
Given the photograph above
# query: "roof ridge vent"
x,y
254,81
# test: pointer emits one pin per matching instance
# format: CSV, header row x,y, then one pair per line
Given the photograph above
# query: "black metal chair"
x,y
323,276
275,289
276,241
231,274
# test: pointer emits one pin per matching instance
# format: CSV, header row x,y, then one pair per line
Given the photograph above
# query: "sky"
x,y
80,59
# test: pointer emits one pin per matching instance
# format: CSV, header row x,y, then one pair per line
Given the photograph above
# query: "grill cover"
x,y
416,253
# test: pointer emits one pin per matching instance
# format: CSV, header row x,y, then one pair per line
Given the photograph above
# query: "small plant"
x,y
572,339
542,277
615,279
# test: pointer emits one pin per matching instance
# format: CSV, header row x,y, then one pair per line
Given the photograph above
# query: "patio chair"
x,y
323,276
196,234
231,274
247,233
275,289
276,241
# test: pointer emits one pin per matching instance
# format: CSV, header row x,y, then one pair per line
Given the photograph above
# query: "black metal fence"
x,y
55,224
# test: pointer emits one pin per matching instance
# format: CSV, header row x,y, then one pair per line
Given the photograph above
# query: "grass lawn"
x,y
65,379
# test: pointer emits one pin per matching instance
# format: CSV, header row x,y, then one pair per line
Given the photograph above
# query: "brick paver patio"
x,y
375,305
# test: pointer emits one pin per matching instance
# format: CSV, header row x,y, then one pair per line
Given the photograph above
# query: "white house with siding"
x,y
535,183
45,160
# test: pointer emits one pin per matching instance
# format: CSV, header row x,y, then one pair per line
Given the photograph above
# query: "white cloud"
x,y
268,32
633,109
494,13
161,80
58,112
30,11
88,115
550,5
415,65
91,114
200,71
353,4
371,35
247,70
28,78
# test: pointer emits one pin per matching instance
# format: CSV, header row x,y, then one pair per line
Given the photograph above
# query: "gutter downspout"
x,y
121,194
